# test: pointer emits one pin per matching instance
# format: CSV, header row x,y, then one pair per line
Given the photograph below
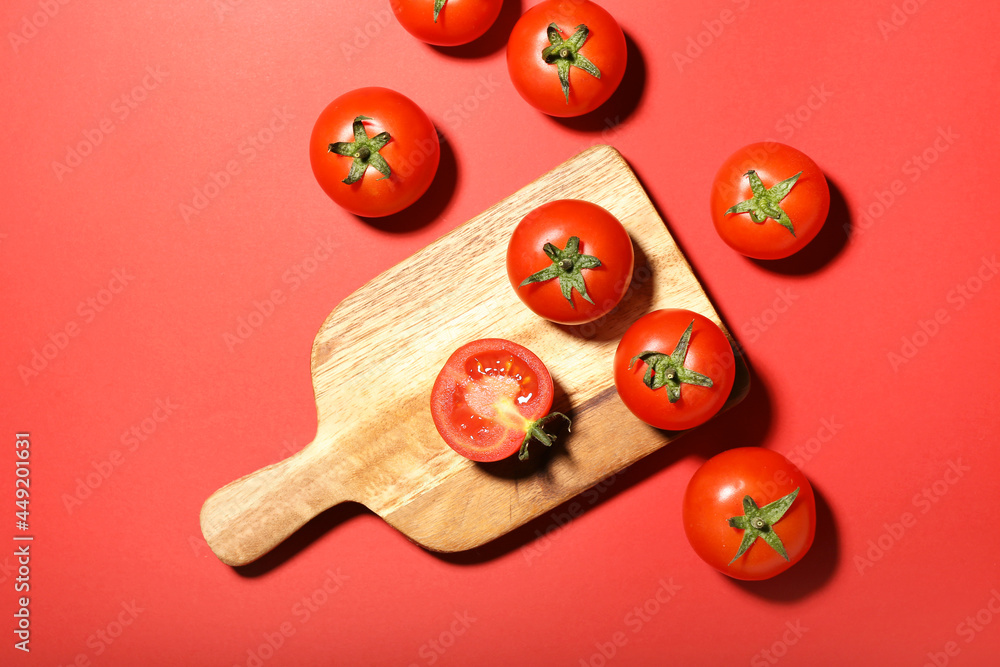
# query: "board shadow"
x,y
746,424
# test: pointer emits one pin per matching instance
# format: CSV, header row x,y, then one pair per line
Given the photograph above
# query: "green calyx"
x,y
765,203
567,265
565,53
759,522
668,370
536,431
364,150
438,6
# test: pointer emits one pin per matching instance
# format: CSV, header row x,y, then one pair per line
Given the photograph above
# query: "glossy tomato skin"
x,y
715,493
601,235
412,154
486,395
709,353
807,204
459,22
538,82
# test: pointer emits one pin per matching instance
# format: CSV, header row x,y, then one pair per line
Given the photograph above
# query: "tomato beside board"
x,y
446,22
374,151
570,261
716,505
674,369
566,58
769,200
491,398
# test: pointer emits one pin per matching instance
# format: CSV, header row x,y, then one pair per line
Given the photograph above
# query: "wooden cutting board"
x,y
375,358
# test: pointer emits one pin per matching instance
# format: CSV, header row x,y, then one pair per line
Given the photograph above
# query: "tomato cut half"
x,y
489,396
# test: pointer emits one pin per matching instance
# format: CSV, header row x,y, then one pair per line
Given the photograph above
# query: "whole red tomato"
x,y
491,399
674,369
769,200
374,151
566,58
750,513
446,22
570,261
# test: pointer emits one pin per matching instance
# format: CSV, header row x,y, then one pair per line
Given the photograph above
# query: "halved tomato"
x,y
491,399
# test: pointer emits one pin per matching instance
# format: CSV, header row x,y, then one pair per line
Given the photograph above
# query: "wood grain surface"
x,y
375,358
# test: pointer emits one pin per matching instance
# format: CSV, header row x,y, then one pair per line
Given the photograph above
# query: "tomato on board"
x,y
566,58
491,399
674,368
446,22
750,513
769,200
570,261
374,151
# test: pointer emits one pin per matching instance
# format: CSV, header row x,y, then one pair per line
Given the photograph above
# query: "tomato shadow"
x,y
540,457
634,304
812,572
608,118
431,204
492,40
822,250
302,539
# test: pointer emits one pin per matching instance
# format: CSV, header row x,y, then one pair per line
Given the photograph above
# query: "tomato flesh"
x,y
487,396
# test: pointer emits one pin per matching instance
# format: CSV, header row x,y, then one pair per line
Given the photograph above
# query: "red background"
x,y
548,593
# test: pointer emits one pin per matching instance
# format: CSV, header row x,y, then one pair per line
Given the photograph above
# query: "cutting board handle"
x,y
247,518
